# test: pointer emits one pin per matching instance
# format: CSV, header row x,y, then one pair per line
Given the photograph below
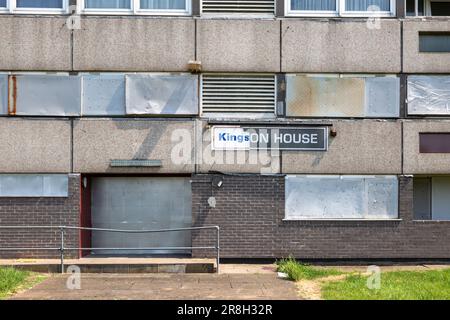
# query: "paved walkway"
x,y
165,286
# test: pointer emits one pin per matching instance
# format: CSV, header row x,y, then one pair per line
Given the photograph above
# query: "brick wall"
x,y
250,212
38,212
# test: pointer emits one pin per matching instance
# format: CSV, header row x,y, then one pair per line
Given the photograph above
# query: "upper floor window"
x,y
169,7
34,6
331,8
427,8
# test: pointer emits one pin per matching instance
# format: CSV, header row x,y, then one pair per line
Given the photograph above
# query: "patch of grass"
x,y
12,280
297,271
396,285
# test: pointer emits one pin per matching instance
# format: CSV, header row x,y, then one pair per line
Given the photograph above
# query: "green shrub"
x,y
10,279
297,271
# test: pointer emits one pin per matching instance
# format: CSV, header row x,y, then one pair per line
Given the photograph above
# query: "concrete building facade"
x,y
318,129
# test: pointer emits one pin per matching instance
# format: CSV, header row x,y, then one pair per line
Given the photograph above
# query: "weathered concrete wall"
x,y
29,145
239,45
340,45
360,147
423,163
98,141
413,60
34,43
134,44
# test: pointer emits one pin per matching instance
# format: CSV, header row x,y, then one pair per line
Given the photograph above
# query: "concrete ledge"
x,y
32,145
360,147
239,45
340,45
98,141
134,44
123,268
415,61
117,265
34,43
423,163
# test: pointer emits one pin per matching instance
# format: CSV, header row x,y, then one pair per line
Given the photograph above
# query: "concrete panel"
x,y
336,45
264,162
239,45
360,147
98,141
425,62
34,145
34,43
423,163
134,44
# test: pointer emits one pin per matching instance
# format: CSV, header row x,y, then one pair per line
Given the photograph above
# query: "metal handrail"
x,y
63,248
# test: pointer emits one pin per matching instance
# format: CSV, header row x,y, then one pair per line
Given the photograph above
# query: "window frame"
x,y
427,7
430,203
11,8
340,11
135,10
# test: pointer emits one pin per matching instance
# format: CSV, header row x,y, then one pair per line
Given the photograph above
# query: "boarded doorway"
x,y
143,203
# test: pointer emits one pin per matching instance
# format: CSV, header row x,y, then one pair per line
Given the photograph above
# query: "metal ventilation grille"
x,y
238,94
237,6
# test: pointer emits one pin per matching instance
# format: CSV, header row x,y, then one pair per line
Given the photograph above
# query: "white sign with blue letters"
x,y
270,138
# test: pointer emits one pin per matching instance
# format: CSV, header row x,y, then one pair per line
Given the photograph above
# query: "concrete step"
x,y
116,265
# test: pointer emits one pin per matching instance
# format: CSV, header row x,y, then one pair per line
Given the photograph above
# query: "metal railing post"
x,y
218,249
62,250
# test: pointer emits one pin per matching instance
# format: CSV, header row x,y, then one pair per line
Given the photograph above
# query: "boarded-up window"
x,y
3,94
162,94
429,95
341,197
33,185
103,94
342,96
45,95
